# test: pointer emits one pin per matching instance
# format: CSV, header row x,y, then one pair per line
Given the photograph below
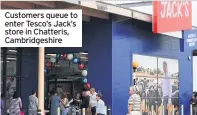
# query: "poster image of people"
x,y
168,80
157,80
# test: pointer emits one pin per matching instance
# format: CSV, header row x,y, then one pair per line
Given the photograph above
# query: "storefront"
x,y
134,36
112,47
128,40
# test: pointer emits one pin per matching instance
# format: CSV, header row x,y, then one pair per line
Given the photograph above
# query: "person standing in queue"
x,y
2,100
100,106
64,103
15,105
85,101
134,102
193,101
55,103
93,101
33,104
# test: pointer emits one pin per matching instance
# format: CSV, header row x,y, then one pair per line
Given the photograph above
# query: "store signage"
x,y
169,16
189,41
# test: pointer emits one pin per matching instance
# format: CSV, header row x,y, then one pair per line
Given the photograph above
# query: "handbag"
x,y
22,113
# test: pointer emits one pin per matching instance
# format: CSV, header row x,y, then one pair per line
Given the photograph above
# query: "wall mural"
x,y
157,80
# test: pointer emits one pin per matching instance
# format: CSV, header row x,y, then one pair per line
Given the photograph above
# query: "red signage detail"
x,y
172,15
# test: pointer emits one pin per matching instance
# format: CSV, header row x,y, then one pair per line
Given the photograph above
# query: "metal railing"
x,y
83,111
191,109
108,110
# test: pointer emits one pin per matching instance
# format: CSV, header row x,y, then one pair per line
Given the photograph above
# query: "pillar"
x,y
41,79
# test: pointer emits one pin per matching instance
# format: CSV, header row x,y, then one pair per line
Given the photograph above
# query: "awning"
x,y
114,9
122,8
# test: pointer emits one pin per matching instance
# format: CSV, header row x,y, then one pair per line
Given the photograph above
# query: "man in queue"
x,y
93,101
134,102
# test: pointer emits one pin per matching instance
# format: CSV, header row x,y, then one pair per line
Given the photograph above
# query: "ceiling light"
x,y
83,53
83,57
6,61
12,50
11,58
51,55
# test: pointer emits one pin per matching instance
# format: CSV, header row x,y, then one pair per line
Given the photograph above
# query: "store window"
x,y
11,77
8,71
158,82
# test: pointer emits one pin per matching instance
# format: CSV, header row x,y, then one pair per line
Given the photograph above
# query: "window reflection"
x,y
10,75
8,71
12,51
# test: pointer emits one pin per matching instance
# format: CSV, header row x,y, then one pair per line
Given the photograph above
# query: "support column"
x,y
41,79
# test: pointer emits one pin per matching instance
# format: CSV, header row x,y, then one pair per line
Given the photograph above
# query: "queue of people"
x,y
15,105
97,105
89,100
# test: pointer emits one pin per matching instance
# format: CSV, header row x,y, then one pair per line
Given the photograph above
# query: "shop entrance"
x,y
68,85
66,73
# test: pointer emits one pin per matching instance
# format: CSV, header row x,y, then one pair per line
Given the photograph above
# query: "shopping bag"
x,y
22,113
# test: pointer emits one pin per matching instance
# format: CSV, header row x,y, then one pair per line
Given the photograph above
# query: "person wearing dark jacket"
x,y
85,100
55,103
193,101
3,109
77,100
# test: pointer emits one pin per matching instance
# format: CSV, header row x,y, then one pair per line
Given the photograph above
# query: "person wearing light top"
x,y
166,88
93,101
134,102
15,104
100,106
33,104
